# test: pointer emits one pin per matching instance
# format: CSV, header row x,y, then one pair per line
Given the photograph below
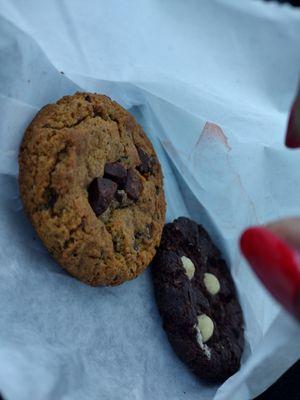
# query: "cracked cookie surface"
x,y
92,187
197,301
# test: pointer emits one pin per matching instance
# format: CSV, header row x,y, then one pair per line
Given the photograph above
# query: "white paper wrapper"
x,y
211,82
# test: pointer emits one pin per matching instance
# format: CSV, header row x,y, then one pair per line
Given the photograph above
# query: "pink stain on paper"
x,y
213,131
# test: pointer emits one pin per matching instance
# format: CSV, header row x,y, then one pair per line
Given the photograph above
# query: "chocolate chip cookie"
x,y
92,187
197,300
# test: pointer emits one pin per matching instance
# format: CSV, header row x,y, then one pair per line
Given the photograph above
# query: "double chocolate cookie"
x,y
197,300
92,186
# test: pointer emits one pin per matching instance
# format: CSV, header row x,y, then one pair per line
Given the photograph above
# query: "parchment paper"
x,y
211,82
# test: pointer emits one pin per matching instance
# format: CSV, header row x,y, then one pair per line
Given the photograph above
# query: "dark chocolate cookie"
x,y
92,186
197,300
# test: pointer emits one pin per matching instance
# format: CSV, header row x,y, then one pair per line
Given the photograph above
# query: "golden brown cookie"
x,y
92,187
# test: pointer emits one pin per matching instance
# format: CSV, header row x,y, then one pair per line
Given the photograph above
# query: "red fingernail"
x,y
292,139
276,264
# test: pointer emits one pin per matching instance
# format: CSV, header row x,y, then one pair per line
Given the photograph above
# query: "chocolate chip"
x,y
138,235
101,193
147,162
88,98
52,197
133,184
116,172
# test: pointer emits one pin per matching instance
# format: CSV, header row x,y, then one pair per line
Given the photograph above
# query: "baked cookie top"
x,y
92,186
197,300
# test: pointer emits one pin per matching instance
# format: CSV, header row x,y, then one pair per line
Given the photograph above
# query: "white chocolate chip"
x,y
211,283
205,326
189,267
203,346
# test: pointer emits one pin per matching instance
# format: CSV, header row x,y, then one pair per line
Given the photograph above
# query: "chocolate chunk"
x,y
116,172
101,193
52,197
138,235
147,162
133,184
